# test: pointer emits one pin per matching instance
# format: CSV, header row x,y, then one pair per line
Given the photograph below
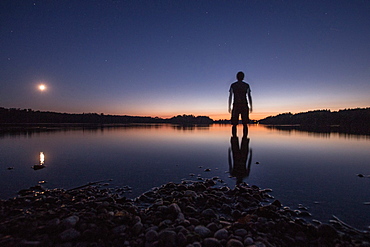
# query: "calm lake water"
x,y
318,171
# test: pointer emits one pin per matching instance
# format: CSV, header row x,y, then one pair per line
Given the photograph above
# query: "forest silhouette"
x,y
29,116
353,121
356,120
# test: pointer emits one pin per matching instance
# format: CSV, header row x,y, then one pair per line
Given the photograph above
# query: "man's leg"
x,y
245,120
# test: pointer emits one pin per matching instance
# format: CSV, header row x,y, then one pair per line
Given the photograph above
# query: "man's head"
x,y
240,76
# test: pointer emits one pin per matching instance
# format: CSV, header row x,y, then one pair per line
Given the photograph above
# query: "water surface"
x,y
316,170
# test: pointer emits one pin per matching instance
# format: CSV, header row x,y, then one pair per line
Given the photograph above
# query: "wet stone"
x,y
90,234
71,221
240,232
119,229
301,237
165,224
190,193
248,241
221,234
202,231
163,209
193,221
213,227
137,228
304,214
234,243
53,222
167,238
211,242
190,209
69,234
27,243
327,231
197,244
181,239
209,213
151,236
180,217
174,209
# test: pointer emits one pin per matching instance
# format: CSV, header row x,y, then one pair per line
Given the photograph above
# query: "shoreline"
x,y
190,214
30,128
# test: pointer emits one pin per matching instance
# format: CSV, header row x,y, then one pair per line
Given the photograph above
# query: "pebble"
x,y
181,239
301,237
260,244
209,213
197,244
53,222
119,229
30,243
190,193
69,234
167,238
234,243
212,242
327,231
241,232
213,227
221,234
202,231
248,241
137,228
71,221
191,214
174,209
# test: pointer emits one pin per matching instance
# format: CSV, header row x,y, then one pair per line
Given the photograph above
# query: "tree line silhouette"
x,y
29,116
351,120
358,118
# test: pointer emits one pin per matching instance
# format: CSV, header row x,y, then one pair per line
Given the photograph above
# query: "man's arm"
x,y
230,99
250,101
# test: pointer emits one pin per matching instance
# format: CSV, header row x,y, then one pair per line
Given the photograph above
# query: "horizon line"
x,y
201,115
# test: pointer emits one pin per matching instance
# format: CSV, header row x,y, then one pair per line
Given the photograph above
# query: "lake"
x,y
316,170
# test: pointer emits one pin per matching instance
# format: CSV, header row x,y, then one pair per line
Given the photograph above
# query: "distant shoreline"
x,y
354,120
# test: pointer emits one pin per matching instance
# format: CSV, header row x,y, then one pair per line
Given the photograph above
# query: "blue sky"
x,y
164,58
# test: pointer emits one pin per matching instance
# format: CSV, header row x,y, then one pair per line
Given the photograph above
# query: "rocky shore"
x,y
190,214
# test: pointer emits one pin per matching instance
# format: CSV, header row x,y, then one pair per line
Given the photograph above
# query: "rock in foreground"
x,y
188,214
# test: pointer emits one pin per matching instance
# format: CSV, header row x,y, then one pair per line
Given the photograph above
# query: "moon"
x,y
42,87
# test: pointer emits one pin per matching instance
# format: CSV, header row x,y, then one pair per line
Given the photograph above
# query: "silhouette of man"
x,y
240,90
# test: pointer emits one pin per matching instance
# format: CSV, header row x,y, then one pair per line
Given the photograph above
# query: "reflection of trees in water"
x,y
324,131
190,127
28,130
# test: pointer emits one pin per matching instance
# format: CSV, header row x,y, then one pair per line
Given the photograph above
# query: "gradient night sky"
x,y
164,58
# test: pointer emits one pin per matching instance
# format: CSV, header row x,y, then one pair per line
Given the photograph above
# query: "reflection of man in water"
x,y
240,156
241,91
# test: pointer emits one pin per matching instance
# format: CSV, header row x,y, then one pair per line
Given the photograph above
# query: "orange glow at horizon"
x,y
253,116
214,116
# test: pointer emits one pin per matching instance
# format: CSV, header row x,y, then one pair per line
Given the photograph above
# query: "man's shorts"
x,y
242,110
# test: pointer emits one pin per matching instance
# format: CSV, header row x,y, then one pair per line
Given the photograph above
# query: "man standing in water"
x,y
240,90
